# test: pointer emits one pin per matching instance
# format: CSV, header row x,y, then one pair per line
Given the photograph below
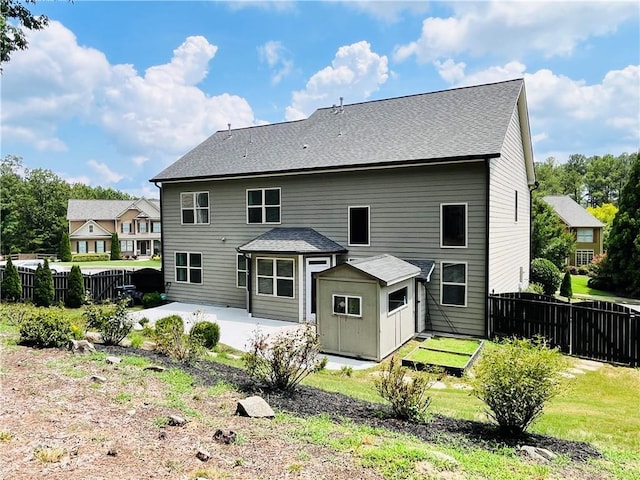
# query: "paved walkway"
x,y
236,327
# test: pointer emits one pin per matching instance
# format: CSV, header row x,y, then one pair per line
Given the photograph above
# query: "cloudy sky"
x,y
110,93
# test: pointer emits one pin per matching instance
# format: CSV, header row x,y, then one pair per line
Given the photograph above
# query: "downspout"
x,y
486,247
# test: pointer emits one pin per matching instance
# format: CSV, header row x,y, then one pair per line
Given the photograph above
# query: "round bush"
x,y
46,328
546,274
208,331
169,324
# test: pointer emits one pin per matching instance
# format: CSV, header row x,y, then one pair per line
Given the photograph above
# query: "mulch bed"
x,y
306,401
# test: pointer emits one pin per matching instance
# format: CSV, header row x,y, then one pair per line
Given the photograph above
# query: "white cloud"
x,y
389,12
159,114
511,28
140,160
106,174
355,73
450,71
277,57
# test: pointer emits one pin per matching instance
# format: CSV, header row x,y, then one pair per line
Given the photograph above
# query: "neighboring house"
x,y
436,186
137,223
585,228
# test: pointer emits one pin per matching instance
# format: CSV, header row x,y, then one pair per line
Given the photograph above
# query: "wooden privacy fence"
x,y
598,330
101,285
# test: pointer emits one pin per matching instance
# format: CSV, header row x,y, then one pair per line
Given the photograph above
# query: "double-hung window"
x,y
453,225
359,226
126,245
155,227
241,271
142,227
453,284
100,246
195,207
125,227
397,299
263,205
188,267
348,305
275,276
82,246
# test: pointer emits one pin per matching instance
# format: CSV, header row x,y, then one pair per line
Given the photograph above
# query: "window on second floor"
x,y
359,226
453,225
195,207
585,235
90,228
142,227
155,227
125,227
263,205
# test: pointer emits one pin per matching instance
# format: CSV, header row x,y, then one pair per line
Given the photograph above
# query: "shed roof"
x,y
571,213
291,240
109,209
386,268
456,124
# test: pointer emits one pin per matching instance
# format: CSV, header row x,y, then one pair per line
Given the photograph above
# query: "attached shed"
x,y
366,307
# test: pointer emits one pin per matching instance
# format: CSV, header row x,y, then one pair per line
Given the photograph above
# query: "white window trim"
x,y
154,223
86,246
401,307
243,271
466,225
368,207
263,206
188,267
584,251
346,305
195,208
275,277
103,244
443,283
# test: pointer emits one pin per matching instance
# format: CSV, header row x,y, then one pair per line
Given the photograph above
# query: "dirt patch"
x,y
118,428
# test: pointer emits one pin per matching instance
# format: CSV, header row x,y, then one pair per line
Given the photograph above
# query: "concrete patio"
x,y
237,327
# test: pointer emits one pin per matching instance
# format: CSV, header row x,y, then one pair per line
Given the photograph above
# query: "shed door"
x,y
313,265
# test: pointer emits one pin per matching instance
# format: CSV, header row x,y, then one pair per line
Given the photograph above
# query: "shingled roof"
x,y
108,209
455,124
386,268
571,212
299,240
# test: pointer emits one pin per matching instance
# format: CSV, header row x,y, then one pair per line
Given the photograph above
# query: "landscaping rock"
x,y
536,453
98,379
113,360
81,346
254,407
93,337
176,421
203,455
227,437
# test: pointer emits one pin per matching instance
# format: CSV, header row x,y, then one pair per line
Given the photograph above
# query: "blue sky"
x,y
110,93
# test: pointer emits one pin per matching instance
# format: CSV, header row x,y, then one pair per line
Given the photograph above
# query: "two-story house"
x,y
428,195
137,223
585,228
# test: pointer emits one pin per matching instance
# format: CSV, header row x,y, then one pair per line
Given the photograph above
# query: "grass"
x,y
455,345
114,264
434,357
579,287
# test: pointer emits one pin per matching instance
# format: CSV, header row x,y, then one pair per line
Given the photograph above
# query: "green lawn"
x,y
114,264
582,291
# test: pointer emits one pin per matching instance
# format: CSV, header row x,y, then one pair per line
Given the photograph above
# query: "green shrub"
x,y
172,341
111,320
152,299
283,362
535,288
565,286
515,380
90,257
43,290
45,328
11,287
583,270
406,393
115,254
75,288
546,274
64,248
208,331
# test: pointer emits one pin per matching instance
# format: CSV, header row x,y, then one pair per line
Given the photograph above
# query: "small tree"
x,y
11,287
283,362
64,249
75,289
43,290
111,320
565,286
116,254
516,380
545,273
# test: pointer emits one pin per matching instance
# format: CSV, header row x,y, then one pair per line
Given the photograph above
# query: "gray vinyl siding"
x,y
278,308
508,239
405,221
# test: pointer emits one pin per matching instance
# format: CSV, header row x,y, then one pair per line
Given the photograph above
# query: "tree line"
x,y
33,206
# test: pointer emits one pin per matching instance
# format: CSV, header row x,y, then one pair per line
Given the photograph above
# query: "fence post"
x,y
570,328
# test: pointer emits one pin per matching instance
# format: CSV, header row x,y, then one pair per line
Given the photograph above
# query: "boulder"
x,y
254,407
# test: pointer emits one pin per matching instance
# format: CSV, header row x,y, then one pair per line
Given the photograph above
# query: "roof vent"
x,y
228,130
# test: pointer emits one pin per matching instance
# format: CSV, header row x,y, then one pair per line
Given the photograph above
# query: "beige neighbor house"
x,y
585,228
376,220
137,223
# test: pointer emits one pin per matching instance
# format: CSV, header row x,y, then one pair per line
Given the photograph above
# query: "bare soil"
x,y
117,429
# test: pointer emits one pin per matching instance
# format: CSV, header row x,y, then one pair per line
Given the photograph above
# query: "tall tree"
x,y
605,213
548,176
572,176
550,238
12,37
623,254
